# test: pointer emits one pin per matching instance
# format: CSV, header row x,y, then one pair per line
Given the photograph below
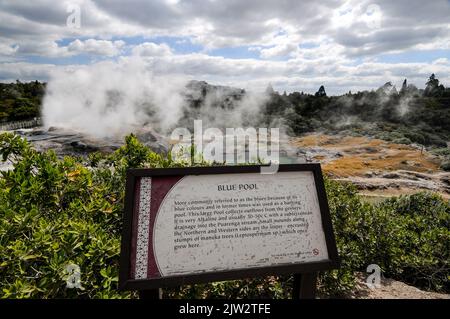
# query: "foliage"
x,y
59,212
419,249
55,212
19,101
433,87
321,92
407,236
408,116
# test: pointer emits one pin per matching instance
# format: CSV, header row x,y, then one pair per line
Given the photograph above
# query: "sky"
x,y
293,45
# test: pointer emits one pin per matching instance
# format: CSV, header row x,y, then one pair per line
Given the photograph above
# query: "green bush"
x,y
444,151
59,212
419,235
55,212
407,236
403,140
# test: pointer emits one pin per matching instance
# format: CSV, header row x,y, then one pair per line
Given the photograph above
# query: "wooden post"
x,y
304,286
150,294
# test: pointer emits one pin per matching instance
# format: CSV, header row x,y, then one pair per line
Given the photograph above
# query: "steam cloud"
x,y
108,99
115,98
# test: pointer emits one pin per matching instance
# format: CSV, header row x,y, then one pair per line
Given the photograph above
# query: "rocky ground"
x,y
67,142
392,289
378,168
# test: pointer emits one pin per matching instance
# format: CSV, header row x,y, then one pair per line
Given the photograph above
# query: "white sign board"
x,y
185,225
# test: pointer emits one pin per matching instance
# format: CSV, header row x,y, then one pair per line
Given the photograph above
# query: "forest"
x,y
20,101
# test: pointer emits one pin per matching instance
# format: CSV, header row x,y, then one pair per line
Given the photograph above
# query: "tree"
x,y
388,88
23,109
432,81
433,89
269,89
321,92
404,87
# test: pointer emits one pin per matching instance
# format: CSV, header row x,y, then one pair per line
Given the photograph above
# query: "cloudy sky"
x,y
294,45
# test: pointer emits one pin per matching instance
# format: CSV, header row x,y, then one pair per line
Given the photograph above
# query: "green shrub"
x,y
402,140
419,232
58,212
347,212
444,151
54,213
407,236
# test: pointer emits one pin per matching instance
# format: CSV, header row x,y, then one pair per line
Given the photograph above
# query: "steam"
x,y
224,107
109,99
115,98
403,107
382,101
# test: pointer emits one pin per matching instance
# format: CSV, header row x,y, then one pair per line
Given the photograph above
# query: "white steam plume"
x,y
109,99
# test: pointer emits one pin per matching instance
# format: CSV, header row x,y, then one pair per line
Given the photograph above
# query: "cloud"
x,y
442,61
24,71
8,49
96,47
388,40
37,11
293,75
279,51
152,49
234,22
301,44
51,49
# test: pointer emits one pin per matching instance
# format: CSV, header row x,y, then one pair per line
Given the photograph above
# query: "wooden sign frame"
x,y
306,272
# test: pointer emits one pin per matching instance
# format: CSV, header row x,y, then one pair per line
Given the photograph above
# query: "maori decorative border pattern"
x,y
143,228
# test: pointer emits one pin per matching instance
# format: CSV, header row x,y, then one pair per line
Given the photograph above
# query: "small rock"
x,y
80,146
391,175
